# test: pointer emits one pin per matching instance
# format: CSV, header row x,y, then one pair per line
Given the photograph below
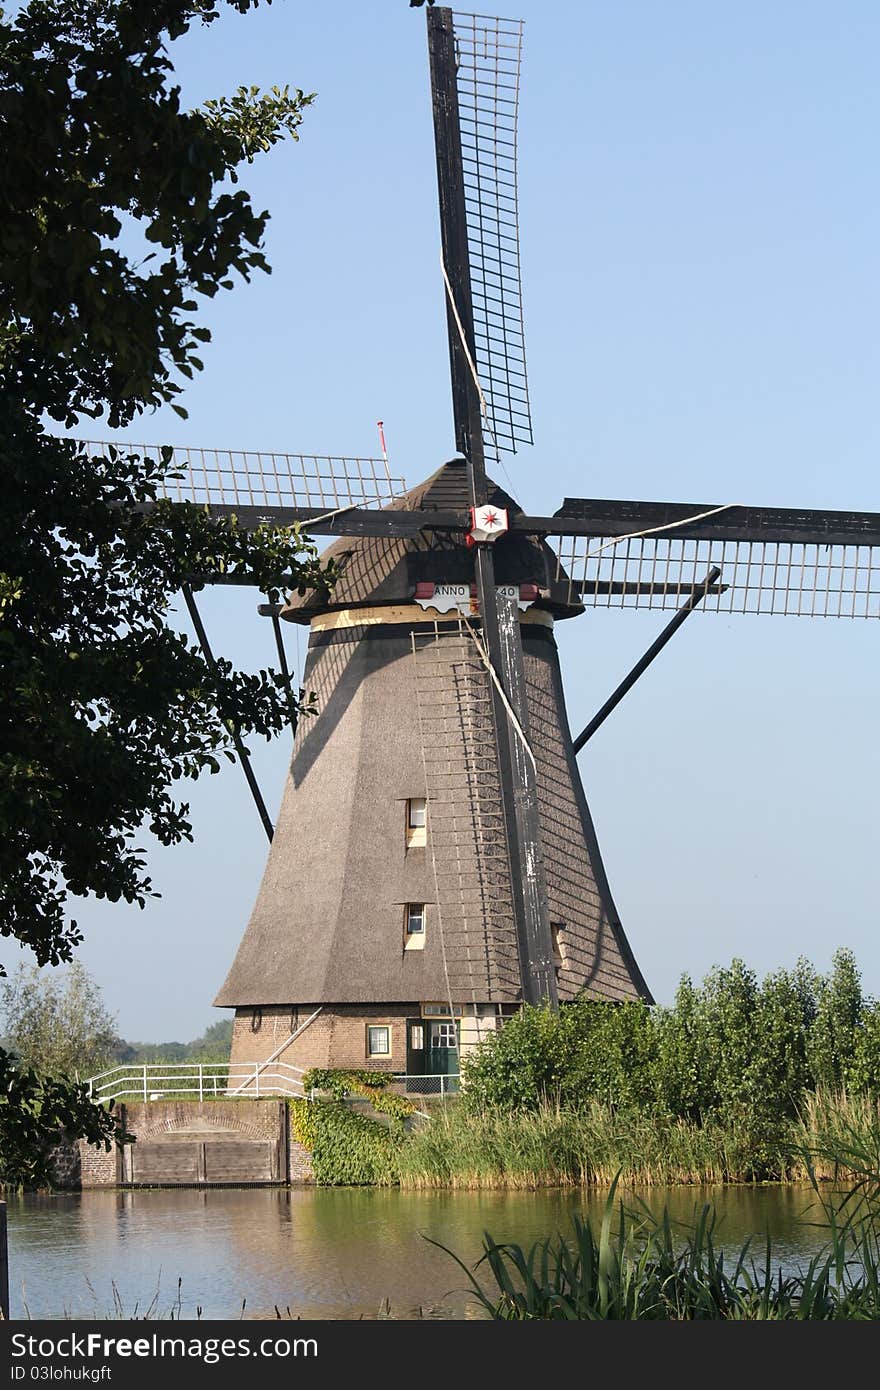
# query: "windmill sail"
x,y
475,67
474,86
782,561
225,478
488,55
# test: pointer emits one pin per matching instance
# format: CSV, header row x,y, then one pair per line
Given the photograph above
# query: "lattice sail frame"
x,y
488,54
253,478
793,578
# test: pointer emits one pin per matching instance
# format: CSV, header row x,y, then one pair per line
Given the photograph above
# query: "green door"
x,y
416,1059
442,1051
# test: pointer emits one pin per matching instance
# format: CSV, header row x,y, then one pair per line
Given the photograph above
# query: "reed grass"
x,y
557,1147
552,1147
635,1266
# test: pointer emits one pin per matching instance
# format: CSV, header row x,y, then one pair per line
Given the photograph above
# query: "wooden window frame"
x,y
375,1026
408,908
411,801
416,835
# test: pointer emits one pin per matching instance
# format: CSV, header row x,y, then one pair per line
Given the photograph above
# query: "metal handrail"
x,y
247,1080
149,1080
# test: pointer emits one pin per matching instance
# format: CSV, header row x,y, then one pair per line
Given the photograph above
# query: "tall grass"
x,y
635,1266
555,1147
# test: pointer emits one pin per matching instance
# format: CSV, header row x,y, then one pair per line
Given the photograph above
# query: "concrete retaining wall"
x,y
170,1127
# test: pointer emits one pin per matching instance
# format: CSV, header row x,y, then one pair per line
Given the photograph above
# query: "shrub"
x,y
732,1052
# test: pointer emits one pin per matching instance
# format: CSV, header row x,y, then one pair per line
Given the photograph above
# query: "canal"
x,y
323,1253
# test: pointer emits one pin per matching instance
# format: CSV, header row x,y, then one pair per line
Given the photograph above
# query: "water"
x,y
322,1253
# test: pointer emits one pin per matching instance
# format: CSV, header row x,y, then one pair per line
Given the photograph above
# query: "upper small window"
x,y
557,931
415,918
416,821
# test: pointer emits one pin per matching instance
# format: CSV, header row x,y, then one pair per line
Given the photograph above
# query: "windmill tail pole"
x,y
240,749
697,596
271,610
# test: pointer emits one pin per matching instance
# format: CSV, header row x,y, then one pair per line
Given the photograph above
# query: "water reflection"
x,y
322,1253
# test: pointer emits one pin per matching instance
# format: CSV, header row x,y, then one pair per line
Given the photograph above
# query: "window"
x,y
557,931
416,822
414,927
378,1041
440,1010
444,1035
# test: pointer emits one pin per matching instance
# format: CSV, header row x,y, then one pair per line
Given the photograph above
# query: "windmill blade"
x,y
782,561
489,53
475,68
242,479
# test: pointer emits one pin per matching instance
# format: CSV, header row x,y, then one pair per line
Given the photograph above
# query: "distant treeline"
x,y
212,1046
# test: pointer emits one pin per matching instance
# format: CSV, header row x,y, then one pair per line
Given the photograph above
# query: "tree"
x,y
118,210
214,1044
57,1023
839,1013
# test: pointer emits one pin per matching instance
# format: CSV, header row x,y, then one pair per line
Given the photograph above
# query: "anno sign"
x,y
462,598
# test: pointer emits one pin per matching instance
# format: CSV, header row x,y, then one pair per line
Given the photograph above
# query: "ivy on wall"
x,y
369,1085
346,1148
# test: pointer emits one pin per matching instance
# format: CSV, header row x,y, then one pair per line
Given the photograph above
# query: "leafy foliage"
x,y
734,1053
116,212
96,143
369,1085
346,1148
34,1111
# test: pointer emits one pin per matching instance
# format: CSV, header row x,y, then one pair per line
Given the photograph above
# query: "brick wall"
x,y
82,1165
299,1161
97,1168
336,1038
254,1119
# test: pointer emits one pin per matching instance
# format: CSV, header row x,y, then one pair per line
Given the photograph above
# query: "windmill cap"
x,y
373,571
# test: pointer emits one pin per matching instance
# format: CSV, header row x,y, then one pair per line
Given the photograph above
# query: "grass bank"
x,y
593,1144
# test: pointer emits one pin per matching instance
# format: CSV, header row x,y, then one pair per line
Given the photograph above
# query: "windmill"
x,y
434,863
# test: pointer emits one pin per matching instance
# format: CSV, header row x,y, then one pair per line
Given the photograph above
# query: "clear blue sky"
x,y
700,231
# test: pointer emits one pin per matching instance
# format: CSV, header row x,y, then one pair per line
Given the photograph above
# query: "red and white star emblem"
x,y
487,523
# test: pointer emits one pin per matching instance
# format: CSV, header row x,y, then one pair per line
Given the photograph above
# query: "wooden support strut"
x,y
240,749
273,610
697,595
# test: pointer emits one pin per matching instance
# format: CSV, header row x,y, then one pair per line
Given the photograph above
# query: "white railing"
x,y
222,1080
196,1081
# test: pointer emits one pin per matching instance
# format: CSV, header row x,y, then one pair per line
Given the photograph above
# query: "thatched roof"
x,y
385,570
